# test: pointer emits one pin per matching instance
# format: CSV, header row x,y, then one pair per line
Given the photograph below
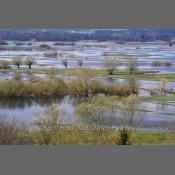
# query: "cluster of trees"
x,y
65,62
100,35
111,65
161,63
18,61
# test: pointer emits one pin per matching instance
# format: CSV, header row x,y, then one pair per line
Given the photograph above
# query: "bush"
x,y
52,54
159,63
50,123
49,87
45,46
13,132
4,65
19,44
119,89
124,137
167,63
3,43
19,88
76,87
97,86
56,87
12,88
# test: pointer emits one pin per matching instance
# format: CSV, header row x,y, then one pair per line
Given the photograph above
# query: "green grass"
x,y
167,113
122,74
144,110
159,98
114,54
17,133
151,137
21,71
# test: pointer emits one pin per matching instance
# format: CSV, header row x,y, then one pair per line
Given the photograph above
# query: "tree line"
x,y
99,35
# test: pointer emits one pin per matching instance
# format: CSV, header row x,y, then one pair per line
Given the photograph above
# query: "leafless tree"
x,y
13,131
17,60
84,77
132,65
49,122
97,112
80,62
131,115
29,61
65,62
131,118
4,65
163,85
111,66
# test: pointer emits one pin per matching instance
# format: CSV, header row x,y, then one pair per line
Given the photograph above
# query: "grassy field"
x,y
36,137
159,98
110,137
122,74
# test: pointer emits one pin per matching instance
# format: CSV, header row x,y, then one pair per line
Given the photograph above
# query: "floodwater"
x,y
26,110
93,56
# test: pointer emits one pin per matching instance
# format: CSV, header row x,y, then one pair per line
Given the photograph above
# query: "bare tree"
x,y
13,131
163,85
29,61
132,65
17,61
84,77
49,122
111,66
97,112
131,118
80,62
65,62
4,65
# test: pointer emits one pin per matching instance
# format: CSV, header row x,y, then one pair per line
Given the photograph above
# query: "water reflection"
x,y
12,103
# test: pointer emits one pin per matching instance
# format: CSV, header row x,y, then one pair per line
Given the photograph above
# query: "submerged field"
x,y
82,69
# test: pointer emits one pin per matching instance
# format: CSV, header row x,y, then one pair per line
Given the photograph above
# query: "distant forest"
x,y
125,35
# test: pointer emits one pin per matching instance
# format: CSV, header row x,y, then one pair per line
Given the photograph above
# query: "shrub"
x,y
159,63
52,54
167,63
97,86
49,123
4,65
12,88
76,87
119,89
45,46
48,87
3,43
19,88
13,132
19,44
124,137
